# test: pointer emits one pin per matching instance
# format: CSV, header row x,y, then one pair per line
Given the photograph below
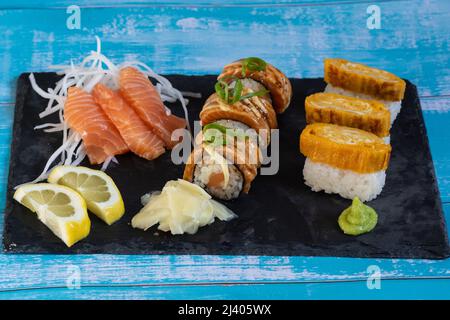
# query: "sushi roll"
x,y
257,74
222,165
224,175
249,93
255,112
343,160
358,80
368,115
233,133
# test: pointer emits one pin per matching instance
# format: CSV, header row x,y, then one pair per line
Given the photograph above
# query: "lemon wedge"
x,y
61,209
96,187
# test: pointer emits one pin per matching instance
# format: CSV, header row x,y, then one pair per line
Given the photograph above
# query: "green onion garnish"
x,y
222,90
234,94
215,126
253,64
211,136
237,91
227,94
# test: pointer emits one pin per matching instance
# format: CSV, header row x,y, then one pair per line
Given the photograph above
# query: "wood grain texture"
x,y
199,38
413,42
390,289
437,119
57,4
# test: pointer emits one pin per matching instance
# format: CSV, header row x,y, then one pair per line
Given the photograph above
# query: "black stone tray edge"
x,y
436,186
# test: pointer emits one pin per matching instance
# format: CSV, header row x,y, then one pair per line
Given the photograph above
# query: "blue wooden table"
x,y
199,37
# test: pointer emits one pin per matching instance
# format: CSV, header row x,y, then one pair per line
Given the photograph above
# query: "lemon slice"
x,y
96,187
61,209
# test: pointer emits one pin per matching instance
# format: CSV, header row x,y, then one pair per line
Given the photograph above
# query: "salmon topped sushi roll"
x,y
368,115
343,160
224,175
356,79
225,161
257,74
242,112
255,112
232,133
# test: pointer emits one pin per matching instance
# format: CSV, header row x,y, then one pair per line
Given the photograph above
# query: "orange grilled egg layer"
x,y
368,115
360,78
344,148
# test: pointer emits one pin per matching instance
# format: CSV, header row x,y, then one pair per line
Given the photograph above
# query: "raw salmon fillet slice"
x,y
100,137
139,138
140,93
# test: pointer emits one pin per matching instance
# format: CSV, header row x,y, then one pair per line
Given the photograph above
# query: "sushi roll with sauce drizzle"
x,y
343,160
368,115
233,133
227,168
256,74
255,112
223,171
249,93
358,80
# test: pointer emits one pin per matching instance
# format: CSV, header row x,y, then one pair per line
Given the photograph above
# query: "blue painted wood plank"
x,y
400,289
437,119
56,4
413,41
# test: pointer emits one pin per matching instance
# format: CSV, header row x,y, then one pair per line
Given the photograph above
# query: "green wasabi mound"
x,y
358,218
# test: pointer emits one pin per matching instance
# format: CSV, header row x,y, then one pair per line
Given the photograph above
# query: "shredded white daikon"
x,y
191,94
106,163
94,68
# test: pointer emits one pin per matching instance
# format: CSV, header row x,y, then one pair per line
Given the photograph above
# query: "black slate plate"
x,y
280,216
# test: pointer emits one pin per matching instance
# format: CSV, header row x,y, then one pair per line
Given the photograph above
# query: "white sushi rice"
x,y
346,183
252,85
230,191
232,124
393,106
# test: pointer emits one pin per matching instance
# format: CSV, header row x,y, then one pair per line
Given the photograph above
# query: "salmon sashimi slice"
x,y
101,138
140,93
139,138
